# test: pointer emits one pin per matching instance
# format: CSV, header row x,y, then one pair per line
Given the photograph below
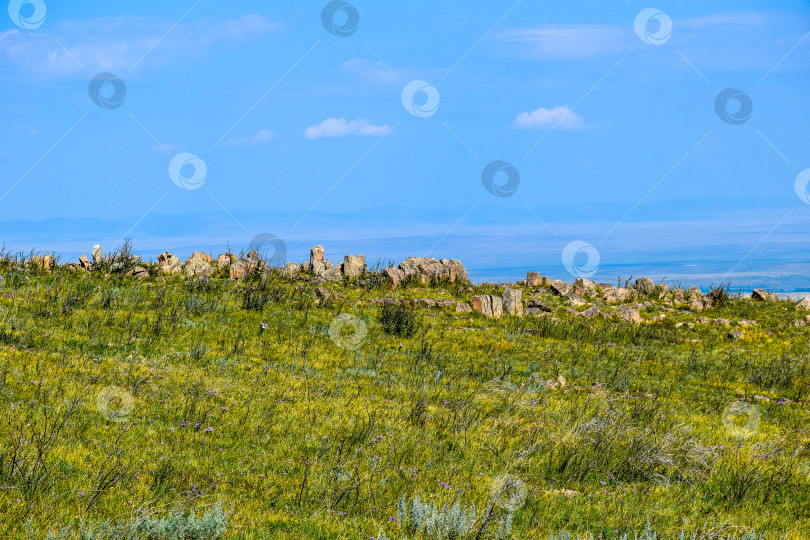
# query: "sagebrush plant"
x,y
252,406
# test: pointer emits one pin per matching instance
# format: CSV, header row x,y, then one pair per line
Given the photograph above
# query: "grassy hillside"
x,y
127,404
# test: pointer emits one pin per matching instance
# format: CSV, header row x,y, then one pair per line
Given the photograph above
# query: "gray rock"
x,y
487,305
332,274
316,255
804,303
512,300
461,307
645,286
559,287
426,269
736,335
628,314
98,256
763,295
393,276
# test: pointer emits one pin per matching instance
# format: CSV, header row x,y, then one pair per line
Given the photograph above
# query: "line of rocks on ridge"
x,y
583,293
200,264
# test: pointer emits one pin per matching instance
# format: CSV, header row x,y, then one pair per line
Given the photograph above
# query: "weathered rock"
x,y
98,256
745,323
536,306
698,303
512,300
316,255
592,311
290,270
333,274
199,264
628,314
575,300
426,269
645,286
587,286
328,265
169,264
461,307
318,268
139,272
736,335
322,293
533,279
721,322
487,305
763,295
677,298
662,289
354,265
225,259
84,263
616,296
388,301
393,276
45,262
804,303
559,287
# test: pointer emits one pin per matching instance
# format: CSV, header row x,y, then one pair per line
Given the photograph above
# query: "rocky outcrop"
x,y
628,314
427,269
644,286
316,255
244,267
98,256
393,276
804,303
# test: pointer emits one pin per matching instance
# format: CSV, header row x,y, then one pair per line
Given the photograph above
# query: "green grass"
x,y
233,396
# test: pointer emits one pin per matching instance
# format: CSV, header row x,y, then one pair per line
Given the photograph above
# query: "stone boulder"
x,y
393,276
644,286
584,287
139,272
804,303
224,260
533,279
98,256
462,307
199,265
426,269
332,274
512,300
487,305
84,263
628,314
354,265
290,270
763,295
316,255
244,267
559,287
169,264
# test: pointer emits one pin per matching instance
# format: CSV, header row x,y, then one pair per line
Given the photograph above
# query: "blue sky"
x,y
304,134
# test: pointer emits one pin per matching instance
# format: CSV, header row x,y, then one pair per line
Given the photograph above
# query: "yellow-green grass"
x,y
312,440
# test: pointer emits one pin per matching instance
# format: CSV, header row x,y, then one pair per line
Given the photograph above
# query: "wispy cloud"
x,y
340,127
116,44
370,72
562,41
263,136
562,117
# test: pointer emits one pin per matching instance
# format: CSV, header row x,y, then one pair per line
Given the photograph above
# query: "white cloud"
x,y
560,41
116,44
340,127
263,136
372,72
561,117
